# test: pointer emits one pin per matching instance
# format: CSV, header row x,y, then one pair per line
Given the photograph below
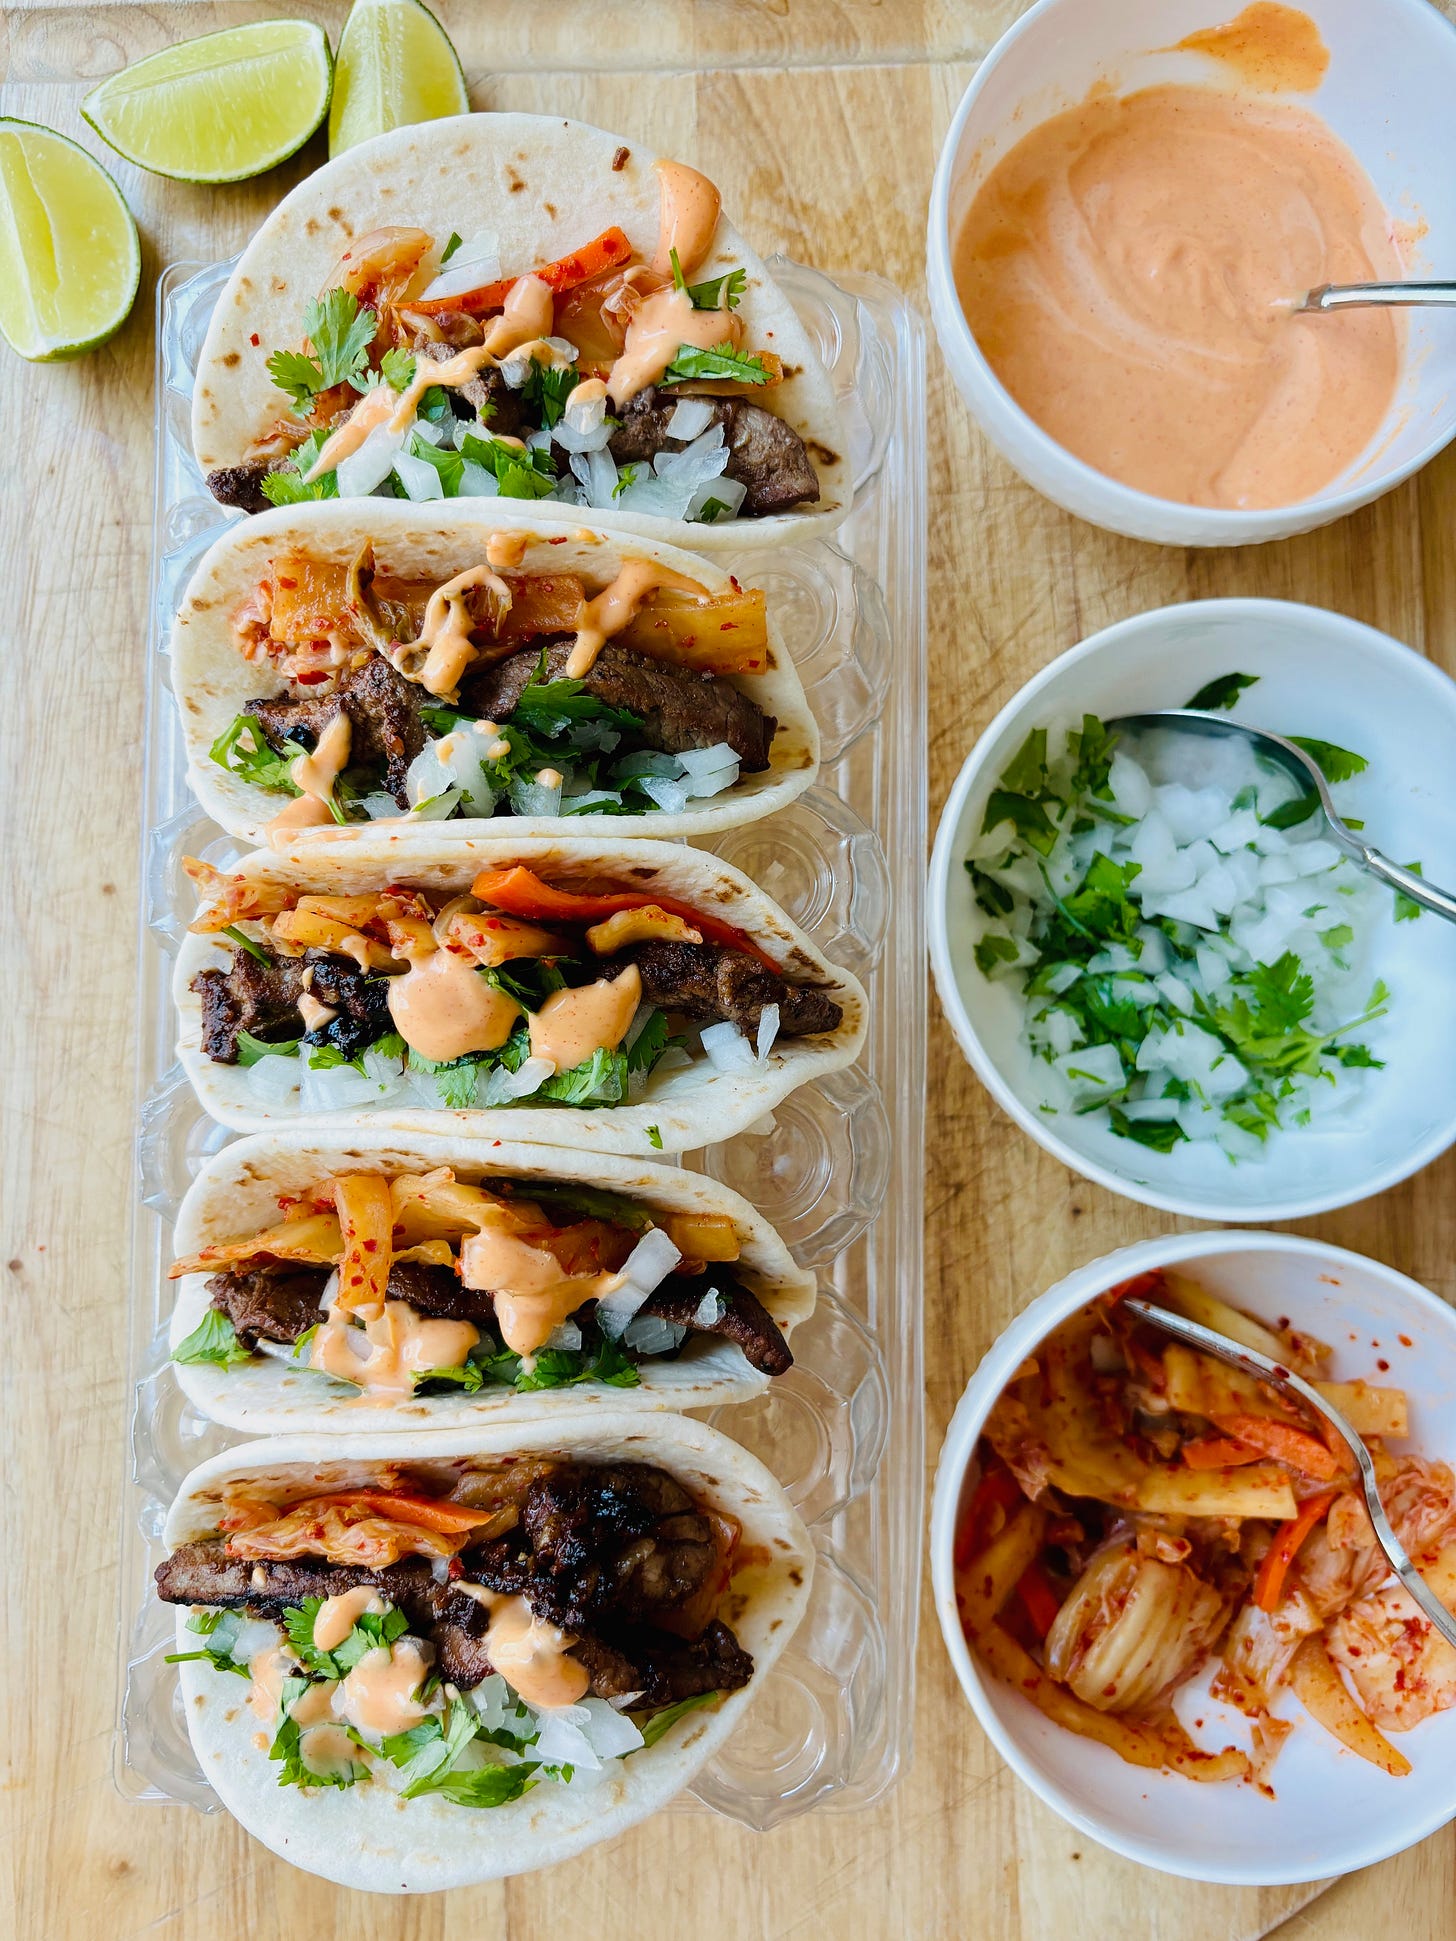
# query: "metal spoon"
x,y
1288,1383
1306,771
1354,296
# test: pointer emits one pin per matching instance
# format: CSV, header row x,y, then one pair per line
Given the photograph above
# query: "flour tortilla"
x,y
544,186
365,1836
212,680
686,1108
237,1193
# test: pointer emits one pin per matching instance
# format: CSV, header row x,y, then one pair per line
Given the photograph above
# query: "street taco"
x,y
619,997
488,667
518,306
416,1662
336,1283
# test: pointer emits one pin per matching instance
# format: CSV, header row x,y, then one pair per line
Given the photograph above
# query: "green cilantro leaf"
x,y
723,292
223,1627
341,334
1026,772
1290,814
993,952
242,749
1334,763
459,1080
723,361
520,473
245,942
1406,907
626,478
450,248
449,463
1028,818
397,367
654,1138
251,1049
546,390
213,1340
653,1728
1158,1135
1222,692
712,510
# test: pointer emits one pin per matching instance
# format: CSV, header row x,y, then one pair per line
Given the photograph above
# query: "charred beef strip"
x,y
255,996
744,1318
712,981
271,1302
387,728
766,455
604,1550
679,709
242,485
261,998
489,397
204,1573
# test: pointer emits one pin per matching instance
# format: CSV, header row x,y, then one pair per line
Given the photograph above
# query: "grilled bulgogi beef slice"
x,y
387,728
255,996
242,485
204,1573
713,981
361,1004
498,408
765,455
678,708
662,1668
743,1318
261,998
271,1303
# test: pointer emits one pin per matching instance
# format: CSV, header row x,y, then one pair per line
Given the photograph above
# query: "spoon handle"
x,y
1429,895
1349,296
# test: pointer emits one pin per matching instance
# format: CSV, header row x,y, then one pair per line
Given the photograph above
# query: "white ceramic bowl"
x,y
1332,1812
1319,674
1387,95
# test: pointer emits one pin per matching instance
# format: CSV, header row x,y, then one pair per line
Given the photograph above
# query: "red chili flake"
x,y
290,584
371,1246
1110,1691
728,627
455,1568
560,541
255,340
1382,1366
312,678
620,160
1282,1324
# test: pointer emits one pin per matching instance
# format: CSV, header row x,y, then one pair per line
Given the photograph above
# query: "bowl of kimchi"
x,y
1156,1578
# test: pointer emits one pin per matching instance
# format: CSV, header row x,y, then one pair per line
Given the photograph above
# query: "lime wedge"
x,y
220,108
396,66
69,258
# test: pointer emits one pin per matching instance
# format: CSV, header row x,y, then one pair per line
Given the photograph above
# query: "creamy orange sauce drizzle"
x,y
506,550
312,1012
397,1343
616,606
443,1008
1127,270
373,409
303,812
574,1023
661,325
532,1295
688,223
1268,46
591,390
444,636
337,1616
377,1696
328,1751
531,1655
316,774
528,314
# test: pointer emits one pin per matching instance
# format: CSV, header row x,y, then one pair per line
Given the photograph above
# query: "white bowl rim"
x,y
944,861
991,1376
1196,524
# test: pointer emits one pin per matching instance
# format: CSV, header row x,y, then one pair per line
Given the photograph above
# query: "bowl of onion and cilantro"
x,y
1152,954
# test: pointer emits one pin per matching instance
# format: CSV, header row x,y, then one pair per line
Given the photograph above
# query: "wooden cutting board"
x,y
821,120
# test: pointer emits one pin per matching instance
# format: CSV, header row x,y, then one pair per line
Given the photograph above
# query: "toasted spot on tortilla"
x,y
550,208
515,183
336,215
232,357
311,227
821,452
620,160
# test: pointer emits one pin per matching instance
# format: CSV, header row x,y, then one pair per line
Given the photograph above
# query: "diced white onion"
x,y
503,1087
768,1030
474,264
709,1311
650,1335
690,418
363,470
727,1048
567,1335
418,477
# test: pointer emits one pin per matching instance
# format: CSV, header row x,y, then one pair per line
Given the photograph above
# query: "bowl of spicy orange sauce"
x,y
1130,195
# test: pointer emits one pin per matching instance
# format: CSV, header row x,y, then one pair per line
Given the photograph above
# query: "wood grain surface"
x,y
820,119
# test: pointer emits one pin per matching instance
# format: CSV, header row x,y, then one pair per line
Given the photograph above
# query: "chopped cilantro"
x,y
1158,1135
251,1049
245,942
520,473
449,463
654,1138
1334,763
223,1628
712,510
372,1630
213,1340
653,1728
1406,907
397,368
723,292
546,390
1222,692
340,333
626,478
993,952
243,750
450,248
722,361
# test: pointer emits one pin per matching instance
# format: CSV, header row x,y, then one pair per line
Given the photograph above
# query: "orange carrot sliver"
x,y
1218,1452
1285,1443
1281,1553
1038,1599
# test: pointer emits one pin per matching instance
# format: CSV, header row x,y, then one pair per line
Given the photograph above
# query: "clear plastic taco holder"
x,y
839,1173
